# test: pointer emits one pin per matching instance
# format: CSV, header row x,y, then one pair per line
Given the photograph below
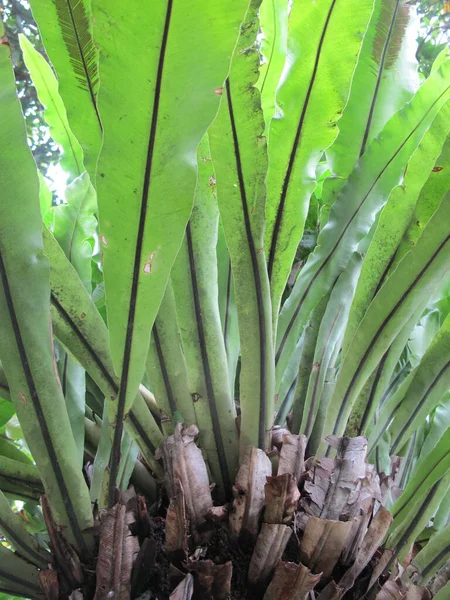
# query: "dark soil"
x,y
168,571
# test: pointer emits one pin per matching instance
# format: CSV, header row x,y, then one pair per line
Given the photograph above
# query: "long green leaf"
x,y
66,30
26,348
240,160
21,473
425,475
395,219
23,542
18,575
378,171
330,333
300,407
78,325
73,383
166,364
433,556
432,192
315,87
420,510
385,79
76,321
157,98
383,382
420,394
194,280
406,289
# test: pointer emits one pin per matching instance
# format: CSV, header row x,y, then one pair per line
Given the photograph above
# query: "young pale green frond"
x,y
227,307
273,21
46,85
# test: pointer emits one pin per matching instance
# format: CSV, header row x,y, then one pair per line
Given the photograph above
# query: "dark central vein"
x,y
40,415
379,77
103,369
115,452
287,177
164,372
218,438
83,61
227,308
66,317
347,225
435,381
381,329
19,543
256,278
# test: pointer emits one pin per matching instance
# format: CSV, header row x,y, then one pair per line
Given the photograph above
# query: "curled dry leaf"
x,y
322,544
177,522
330,592
415,592
291,582
282,495
270,545
142,568
383,562
213,581
292,455
48,579
218,514
355,538
276,436
118,550
391,591
348,473
372,540
316,486
186,470
184,590
65,557
248,492
440,580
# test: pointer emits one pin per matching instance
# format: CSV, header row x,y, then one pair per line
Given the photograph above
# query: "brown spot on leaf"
x,y
83,315
148,265
218,91
437,169
23,398
4,41
103,240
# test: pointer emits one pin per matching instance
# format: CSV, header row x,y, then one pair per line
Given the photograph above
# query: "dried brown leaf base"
x,y
294,530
